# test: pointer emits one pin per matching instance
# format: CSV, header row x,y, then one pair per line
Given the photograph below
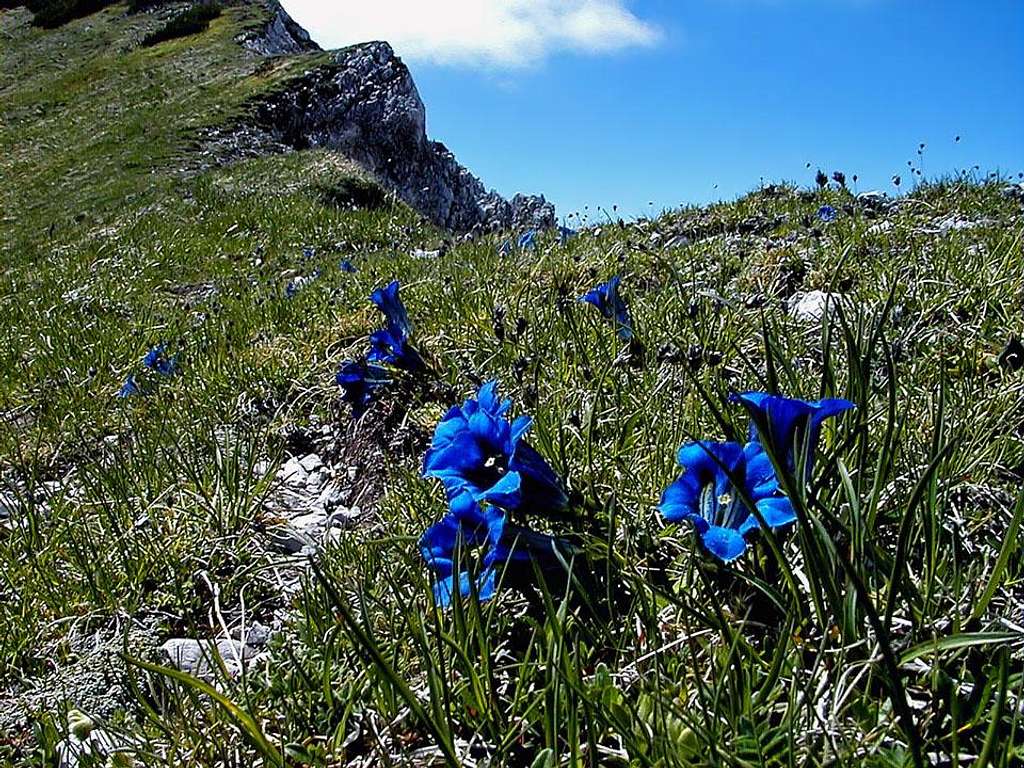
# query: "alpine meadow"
x,y
316,452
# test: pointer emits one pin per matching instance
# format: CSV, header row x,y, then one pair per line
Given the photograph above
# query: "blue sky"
x,y
602,102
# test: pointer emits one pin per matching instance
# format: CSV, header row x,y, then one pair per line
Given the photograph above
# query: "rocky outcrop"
x,y
281,35
365,104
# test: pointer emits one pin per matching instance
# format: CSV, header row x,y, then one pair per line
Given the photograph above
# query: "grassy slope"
x,y
693,665
91,115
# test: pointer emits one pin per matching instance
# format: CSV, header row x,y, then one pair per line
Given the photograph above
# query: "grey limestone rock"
x,y
365,105
810,307
281,35
198,657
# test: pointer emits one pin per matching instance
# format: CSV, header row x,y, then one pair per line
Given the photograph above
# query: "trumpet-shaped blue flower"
x,y
388,301
447,546
476,449
608,301
827,213
359,380
789,423
385,349
347,266
707,496
157,360
466,527
528,240
129,388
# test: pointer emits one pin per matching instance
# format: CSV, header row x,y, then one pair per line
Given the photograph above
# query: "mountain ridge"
x,y
265,87
365,104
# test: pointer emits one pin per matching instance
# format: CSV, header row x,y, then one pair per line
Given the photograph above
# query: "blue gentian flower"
x,y
608,301
388,301
706,496
386,349
476,449
528,240
359,380
129,388
439,547
390,346
347,266
153,356
308,252
827,213
790,423
470,525
156,360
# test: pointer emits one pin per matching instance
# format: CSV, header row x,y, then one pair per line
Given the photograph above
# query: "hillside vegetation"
x,y
882,628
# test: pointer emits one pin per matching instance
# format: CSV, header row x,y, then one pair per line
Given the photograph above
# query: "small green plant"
x,y
353,193
51,14
191,21
138,6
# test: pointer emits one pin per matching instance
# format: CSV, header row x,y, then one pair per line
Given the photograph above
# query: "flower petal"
x,y
388,301
831,406
542,490
776,511
681,499
519,428
724,543
760,480
696,494
461,454
486,587
789,421
507,492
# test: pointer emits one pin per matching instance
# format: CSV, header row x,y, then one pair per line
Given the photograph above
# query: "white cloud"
x,y
498,33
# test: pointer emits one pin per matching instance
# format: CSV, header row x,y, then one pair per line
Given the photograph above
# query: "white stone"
x,y
196,657
873,198
293,472
310,522
258,634
343,517
810,307
311,463
97,747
